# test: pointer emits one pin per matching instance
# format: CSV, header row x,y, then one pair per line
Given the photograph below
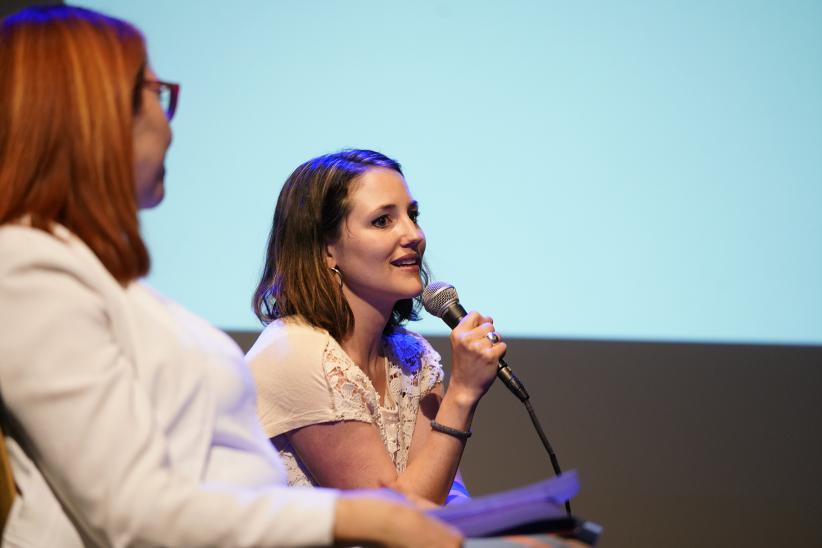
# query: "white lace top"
x,y
304,377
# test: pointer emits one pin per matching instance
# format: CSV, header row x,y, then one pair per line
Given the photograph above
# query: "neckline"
x,y
388,402
381,401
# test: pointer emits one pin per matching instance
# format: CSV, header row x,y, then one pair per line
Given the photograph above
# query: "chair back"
x,y
7,487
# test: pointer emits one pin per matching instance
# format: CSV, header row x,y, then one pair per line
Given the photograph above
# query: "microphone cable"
x,y
518,389
547,445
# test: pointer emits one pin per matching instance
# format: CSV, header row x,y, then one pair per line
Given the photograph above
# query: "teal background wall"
x,y
600,170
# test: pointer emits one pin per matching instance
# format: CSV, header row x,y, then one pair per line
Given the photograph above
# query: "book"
x,y
535,508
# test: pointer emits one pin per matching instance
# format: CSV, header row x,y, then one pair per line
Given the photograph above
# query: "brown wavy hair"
x,y
70,86
310,210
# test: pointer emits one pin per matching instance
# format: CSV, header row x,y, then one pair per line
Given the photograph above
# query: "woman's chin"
x,y
414,290
154,198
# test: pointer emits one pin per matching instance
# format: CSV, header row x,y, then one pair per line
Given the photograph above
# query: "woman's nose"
x,y
413,234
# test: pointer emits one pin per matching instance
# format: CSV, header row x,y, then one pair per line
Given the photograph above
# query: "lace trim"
x,y
352,394
413,371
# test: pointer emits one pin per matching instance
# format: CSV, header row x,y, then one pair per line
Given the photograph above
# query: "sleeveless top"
x,y
304,377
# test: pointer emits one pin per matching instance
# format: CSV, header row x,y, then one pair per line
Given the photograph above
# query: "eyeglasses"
x,y
167,92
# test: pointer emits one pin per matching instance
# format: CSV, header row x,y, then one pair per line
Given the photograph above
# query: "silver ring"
x,y
493,336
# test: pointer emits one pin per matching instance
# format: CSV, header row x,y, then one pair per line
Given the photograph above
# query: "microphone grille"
x,y
438,296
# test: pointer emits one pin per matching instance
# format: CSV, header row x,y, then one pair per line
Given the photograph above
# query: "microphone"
x,y
441,300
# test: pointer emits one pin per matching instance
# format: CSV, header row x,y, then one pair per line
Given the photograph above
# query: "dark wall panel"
x,y
676,444
10,6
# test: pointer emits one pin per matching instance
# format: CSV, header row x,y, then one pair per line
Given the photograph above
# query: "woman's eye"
x,y
381,221
414,215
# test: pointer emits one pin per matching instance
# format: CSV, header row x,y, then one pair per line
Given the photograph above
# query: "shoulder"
x,y
287,364
57,261
53,288
288,342
410,350
23,246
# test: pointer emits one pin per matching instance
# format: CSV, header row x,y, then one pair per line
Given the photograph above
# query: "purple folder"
x,y
487,515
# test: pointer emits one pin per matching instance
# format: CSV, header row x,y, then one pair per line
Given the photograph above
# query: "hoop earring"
x,y
336,271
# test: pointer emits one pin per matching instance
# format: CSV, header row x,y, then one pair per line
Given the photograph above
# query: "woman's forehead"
x,y
379,187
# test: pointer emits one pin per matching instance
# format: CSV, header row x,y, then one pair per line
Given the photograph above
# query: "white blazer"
x,y
132,421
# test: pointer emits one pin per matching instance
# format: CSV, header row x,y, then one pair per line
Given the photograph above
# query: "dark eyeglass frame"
x,y
173,93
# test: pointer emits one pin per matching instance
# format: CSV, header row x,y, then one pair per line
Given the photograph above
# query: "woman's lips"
x,y
410,263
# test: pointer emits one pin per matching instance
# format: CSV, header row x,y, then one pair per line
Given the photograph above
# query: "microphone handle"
x,y
452,316
511,381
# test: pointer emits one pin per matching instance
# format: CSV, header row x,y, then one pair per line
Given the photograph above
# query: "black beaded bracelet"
x,y
461,434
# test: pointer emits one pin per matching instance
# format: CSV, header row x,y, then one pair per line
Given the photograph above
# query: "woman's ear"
x,y
330,251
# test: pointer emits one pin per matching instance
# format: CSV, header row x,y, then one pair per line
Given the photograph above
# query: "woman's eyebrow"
x,y
387,207
384,207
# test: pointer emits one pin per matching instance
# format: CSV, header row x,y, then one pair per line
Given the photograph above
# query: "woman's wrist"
x,y
462,397
356,519
457,409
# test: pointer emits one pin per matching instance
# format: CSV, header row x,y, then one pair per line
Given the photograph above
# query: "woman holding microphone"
x,y
349,397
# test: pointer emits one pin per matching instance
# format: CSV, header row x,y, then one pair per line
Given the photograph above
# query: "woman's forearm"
x,y
431,471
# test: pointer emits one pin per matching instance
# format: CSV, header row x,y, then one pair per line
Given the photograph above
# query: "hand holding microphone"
x,y
476,350
441,300
473,338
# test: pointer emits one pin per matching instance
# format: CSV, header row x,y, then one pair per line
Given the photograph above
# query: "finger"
x,y
469,322
481,330
481,339
486,319
495,352
494,337
486,331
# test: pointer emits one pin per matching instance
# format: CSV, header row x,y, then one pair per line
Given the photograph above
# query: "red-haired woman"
x,y
129,420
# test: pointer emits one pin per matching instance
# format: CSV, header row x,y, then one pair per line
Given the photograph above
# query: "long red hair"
x,y
70,82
